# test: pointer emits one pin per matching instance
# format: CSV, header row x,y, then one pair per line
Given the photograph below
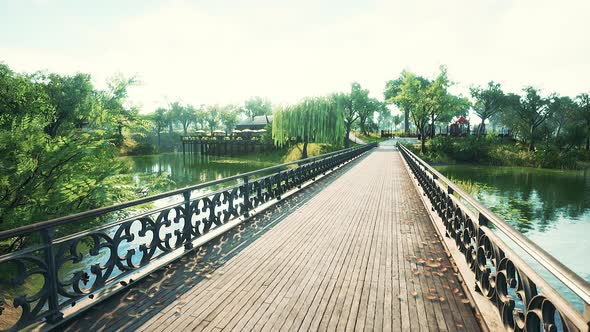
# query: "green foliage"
x,y
318,120
357,105
229,116
212,117
257,106
526,116
59,138
489,102
415,95
491,150
313,149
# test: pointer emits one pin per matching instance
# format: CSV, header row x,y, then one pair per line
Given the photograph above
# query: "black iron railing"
x,y
39,281
525,300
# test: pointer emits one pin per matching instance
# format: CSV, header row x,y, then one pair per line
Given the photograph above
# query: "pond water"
x,y
550,207
182,171
194,169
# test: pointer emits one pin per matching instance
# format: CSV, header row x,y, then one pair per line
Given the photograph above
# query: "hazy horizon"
x,y
203,52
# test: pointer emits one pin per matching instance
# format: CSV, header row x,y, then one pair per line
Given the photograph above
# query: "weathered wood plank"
x,y
360,254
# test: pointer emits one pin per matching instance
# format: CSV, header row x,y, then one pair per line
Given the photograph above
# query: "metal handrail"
x,y
140,243
568,277
23,230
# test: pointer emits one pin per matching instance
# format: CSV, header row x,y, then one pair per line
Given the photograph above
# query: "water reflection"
x,y
530,199
550,207
196,168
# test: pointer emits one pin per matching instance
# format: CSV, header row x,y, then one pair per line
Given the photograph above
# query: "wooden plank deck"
x,y
358,254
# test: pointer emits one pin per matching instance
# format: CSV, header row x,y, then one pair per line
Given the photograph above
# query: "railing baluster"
x,y
54,315
187,229
489,256
133,231
246,196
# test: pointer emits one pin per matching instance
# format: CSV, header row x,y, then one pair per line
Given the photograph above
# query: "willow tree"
x,y
313,120
417,95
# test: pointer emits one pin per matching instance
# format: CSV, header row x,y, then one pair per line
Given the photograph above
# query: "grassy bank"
x,y
493,151
370,138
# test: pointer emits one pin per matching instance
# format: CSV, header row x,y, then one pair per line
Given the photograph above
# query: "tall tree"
x,y
160,121
353,104
583,101
229,117
451,106
199,117
49,170
415,96
367,108
397,119
115,110
186,117
257,106
72,99
489,101
183,114
531,113
212,117
392,89
317,120
384,119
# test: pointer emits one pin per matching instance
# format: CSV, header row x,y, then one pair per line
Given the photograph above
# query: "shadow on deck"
x,y
353,251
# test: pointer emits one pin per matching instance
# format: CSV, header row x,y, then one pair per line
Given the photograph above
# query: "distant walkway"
x,y
361,253
355,139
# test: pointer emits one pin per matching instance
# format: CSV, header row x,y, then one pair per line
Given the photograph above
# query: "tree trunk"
x,y
304,150
482,127
588,143
407,121
432,126
532,143
346,140
422,142
159,145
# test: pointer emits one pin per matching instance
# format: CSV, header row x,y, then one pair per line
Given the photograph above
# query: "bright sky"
x,y
222,51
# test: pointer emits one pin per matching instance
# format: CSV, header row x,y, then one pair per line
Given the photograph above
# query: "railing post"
x,y
188,244
54,315
450,190
482,220
279,189
246,197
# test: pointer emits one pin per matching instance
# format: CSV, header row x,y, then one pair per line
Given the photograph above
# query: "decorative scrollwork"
x,y
521,306
32,306
71,268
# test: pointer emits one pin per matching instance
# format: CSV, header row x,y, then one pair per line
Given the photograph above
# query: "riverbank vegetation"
x,y
538,130
59,139
62,139
496,151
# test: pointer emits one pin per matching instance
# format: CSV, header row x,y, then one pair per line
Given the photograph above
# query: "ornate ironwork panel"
x,y
45,278
501,276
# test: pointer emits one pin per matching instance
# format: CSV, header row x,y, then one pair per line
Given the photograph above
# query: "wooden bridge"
x,y
357,249
360,254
